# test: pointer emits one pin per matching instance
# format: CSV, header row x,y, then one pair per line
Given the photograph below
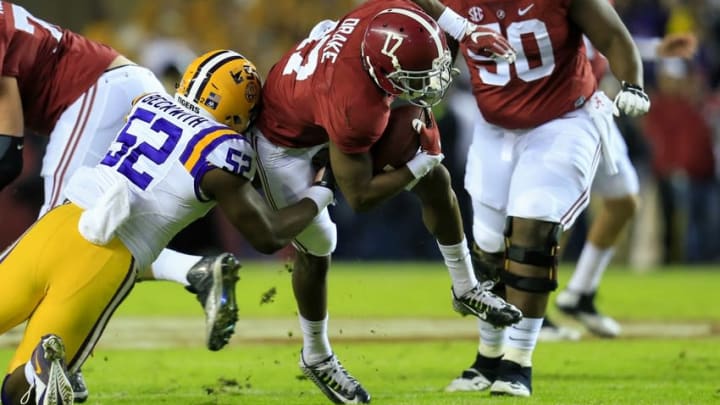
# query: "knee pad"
x,y
319,238
543,253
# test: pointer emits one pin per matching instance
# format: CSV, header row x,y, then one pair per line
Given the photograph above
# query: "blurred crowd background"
x,y
675,148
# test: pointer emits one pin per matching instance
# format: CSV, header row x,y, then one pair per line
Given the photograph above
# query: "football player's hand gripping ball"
x,y
488,43
430,153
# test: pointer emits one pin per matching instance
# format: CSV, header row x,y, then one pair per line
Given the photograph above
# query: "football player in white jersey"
x,y
80,104
174,160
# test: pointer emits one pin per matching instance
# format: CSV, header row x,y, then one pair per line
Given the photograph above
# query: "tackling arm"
x,y
266,230
11,131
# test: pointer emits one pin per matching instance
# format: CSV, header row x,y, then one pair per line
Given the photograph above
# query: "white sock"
x,y
457,260
590,267
522,338
173,266
492,340
316,345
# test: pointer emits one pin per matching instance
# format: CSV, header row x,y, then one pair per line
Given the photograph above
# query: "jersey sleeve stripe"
x,y
201,165
187,153
199,156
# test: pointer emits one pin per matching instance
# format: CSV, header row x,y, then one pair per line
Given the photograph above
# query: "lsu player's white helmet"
x,y
222,85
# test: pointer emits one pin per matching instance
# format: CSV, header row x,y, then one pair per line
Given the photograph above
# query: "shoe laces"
x,y
26,396
481,296
335,376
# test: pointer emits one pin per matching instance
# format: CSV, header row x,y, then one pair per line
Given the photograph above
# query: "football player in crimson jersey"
x,y
57,83
334,91
542,128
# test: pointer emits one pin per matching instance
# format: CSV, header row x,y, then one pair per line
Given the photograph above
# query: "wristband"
x,y
453,23
321,196
422,163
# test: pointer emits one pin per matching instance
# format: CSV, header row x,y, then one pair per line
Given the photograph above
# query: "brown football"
x,y
399,142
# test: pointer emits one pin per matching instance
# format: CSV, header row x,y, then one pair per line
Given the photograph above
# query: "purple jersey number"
x,y
129,154
239,162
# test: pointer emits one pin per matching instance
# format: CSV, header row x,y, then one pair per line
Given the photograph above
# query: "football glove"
x,y
486,42
429,133
429,155
631,100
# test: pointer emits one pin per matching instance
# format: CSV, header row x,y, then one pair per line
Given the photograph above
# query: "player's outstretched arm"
x,y
11,131
267,230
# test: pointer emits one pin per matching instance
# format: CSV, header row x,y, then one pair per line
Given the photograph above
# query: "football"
x,y
399,142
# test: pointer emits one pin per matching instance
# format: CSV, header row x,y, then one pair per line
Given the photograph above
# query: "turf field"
x,y
392,327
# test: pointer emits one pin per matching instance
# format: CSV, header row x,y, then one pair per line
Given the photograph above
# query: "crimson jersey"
x,y
53,66
551,76
320,91
598,61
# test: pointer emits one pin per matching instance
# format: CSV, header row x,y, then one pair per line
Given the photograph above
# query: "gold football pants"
x,y
62,284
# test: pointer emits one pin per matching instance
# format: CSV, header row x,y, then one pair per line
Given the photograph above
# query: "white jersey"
x,y
158,161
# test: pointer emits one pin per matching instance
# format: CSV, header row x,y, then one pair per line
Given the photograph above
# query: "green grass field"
x,y
139,362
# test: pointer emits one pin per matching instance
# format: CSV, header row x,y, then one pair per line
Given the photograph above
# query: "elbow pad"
x,y
11,159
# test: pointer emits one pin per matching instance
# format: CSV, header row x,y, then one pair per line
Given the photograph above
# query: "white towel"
x,y
600,109
99,222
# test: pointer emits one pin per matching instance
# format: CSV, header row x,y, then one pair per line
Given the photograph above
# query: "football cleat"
x,y
551,332
484,304
477,377
213,280
50,376
80,390
582,308
513,380
335,382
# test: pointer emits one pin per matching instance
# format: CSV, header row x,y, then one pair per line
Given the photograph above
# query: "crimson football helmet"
x,y
406,54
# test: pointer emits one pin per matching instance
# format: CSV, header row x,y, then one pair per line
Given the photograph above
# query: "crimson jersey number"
x,y
523,69
26,22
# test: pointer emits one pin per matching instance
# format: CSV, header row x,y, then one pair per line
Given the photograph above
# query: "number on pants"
x,y
526,70
129,154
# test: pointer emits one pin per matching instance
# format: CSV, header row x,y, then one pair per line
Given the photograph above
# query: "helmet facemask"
x,y
424,88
